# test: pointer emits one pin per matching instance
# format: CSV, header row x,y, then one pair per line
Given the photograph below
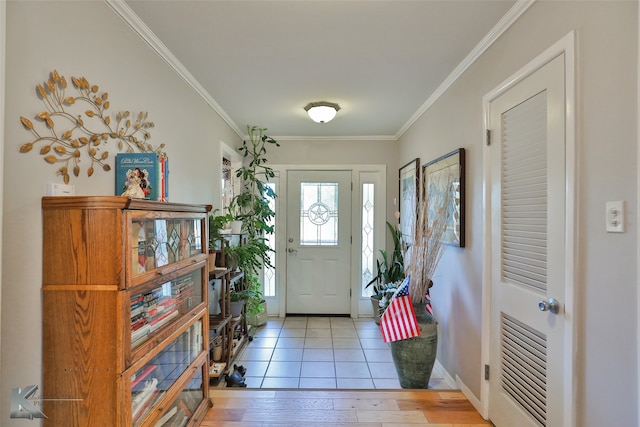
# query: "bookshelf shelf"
x,y
125,312
224,326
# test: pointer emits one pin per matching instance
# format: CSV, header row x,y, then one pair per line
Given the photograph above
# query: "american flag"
x,y
399,319
429,308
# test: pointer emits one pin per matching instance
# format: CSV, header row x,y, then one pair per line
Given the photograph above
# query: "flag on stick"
x,y
399,319
428,307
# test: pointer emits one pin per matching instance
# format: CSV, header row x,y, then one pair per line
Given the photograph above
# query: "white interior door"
x,y
318,242
528,192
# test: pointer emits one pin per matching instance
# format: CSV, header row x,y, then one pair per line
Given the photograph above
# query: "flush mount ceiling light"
x,y
322,112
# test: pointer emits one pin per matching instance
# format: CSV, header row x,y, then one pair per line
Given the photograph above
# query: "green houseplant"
x,y
390,270
217,223
252,206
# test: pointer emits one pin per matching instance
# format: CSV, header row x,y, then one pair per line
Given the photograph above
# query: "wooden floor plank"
x,y
340,408
341,404
403,417
277,404
302,417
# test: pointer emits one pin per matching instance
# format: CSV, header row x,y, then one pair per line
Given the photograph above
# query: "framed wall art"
x,y
448,171
409,175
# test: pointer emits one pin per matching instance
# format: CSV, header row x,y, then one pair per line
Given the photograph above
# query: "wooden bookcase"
x,y
125,312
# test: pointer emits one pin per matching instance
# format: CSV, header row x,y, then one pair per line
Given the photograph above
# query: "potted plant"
x,y
217,223
252,206
255,304
414,357
235,215
389,270
237,301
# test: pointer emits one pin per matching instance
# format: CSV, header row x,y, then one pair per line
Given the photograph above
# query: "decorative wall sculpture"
x,y
80,125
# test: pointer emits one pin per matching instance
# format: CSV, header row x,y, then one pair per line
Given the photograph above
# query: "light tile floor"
x,y
321,352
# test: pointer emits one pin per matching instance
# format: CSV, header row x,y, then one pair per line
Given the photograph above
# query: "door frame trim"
x,y
572,314
380,212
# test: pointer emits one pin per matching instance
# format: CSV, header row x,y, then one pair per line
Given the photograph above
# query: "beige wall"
x,y
606,51
84,39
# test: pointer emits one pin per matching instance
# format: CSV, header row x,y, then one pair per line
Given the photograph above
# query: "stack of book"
x,y
141,400
149,312
182,290
139,326
159,309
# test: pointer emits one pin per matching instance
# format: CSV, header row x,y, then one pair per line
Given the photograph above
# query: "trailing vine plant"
x,y
69,131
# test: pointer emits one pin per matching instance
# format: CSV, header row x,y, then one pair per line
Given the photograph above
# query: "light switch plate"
x,y
615,217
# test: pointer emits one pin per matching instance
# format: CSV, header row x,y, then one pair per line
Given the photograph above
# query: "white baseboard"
x,y
469,395
440,372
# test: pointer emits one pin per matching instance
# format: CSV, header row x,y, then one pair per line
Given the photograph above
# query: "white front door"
x,y
318,242
528,192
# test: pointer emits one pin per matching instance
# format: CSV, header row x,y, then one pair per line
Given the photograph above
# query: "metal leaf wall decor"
x,y
79,124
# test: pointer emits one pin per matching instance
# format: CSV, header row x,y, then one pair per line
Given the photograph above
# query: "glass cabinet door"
x,y
150,382
159,242
154,308
186,404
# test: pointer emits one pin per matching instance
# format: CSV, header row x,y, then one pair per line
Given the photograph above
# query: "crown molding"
x,y
140,28
335,138
505,22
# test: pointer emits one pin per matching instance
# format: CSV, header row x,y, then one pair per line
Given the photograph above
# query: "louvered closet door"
x,y
527,250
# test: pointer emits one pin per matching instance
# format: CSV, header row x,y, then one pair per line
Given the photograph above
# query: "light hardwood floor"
x,y
340,408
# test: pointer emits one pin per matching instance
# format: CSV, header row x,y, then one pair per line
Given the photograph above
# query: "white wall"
x,y
606,139
83,39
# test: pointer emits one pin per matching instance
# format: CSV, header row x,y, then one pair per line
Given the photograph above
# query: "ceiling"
x,y
260,62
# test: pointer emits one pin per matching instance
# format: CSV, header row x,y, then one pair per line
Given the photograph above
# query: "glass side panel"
x,y
319,214
153,309
186,404
158,242
368,258
151,381
270,272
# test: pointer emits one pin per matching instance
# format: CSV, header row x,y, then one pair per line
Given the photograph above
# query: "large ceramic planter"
x,y
414,357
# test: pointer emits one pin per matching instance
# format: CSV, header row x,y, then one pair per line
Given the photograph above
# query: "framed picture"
x,y
448,171
409,175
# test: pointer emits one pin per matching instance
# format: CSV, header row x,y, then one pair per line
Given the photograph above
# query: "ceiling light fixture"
x,y
322,112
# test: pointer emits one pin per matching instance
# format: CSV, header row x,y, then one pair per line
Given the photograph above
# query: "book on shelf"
x,y
142,400
141,375
152,168
162,320
137,314
140,333
138,323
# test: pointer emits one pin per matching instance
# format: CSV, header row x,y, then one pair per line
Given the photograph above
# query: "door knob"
x,y
551,305
291,251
